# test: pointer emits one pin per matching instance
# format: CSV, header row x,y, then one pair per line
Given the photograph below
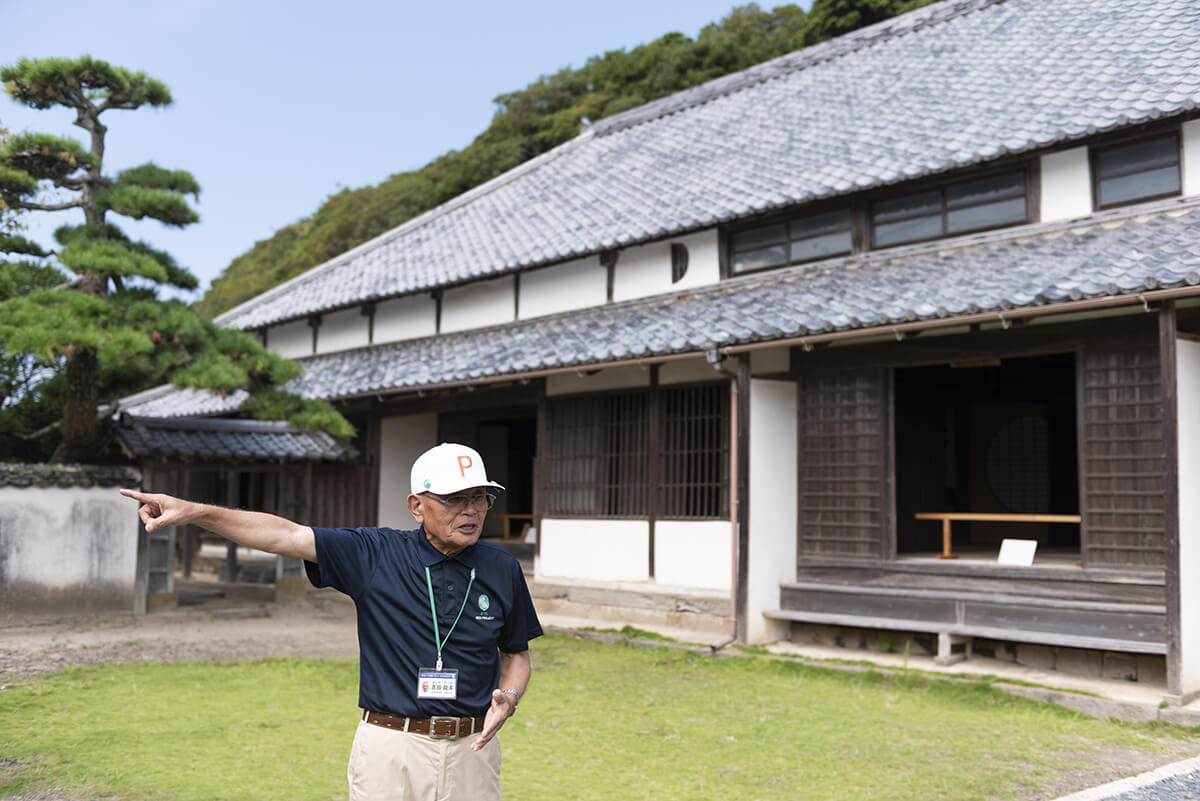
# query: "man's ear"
x,y
414,508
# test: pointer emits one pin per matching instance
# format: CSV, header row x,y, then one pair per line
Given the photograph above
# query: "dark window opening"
x,y
1136,171
814,236
997,437
952,209
507,441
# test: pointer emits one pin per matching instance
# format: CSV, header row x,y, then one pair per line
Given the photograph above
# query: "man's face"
x,y
452,522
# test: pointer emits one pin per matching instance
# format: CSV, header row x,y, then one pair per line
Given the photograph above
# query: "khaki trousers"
x,y
391,765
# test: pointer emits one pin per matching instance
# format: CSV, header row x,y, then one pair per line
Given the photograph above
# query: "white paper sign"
x,y
1017,552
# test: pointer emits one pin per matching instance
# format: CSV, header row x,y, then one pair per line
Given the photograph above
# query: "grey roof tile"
x,y
215,440
1005,270
949,85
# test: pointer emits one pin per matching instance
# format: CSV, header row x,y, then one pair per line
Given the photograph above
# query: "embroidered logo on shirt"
x,y
484,603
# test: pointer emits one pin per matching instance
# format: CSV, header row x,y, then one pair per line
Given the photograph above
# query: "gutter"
x,y
736,499
1005,318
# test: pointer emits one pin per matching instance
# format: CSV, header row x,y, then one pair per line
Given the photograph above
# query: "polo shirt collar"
x,y
430,556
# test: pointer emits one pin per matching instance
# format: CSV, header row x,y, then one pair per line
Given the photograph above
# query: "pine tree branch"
x,y
24,204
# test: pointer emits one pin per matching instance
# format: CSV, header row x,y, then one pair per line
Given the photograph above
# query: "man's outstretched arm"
x,y
253,529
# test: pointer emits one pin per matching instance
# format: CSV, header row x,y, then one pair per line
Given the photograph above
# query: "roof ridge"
x,y
790,62
413,224
216,424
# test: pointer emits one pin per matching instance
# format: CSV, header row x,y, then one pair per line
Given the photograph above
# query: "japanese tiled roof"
x,y
957,83
65,476
1125,252
204,440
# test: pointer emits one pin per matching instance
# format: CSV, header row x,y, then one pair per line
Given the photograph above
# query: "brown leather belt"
x,y
439,728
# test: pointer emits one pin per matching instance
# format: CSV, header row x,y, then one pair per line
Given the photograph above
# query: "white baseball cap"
x,y
449,468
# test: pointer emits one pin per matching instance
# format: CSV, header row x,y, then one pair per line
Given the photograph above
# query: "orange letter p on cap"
x,y
464,462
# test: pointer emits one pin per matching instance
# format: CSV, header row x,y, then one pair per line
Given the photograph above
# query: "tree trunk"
x,y
79,413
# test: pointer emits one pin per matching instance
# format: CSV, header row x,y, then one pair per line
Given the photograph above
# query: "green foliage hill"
x,y
535,119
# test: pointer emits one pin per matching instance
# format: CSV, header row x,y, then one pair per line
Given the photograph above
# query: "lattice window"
x,y
598,453
694,452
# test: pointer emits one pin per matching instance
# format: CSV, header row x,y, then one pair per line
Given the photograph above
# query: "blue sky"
x,y
280,104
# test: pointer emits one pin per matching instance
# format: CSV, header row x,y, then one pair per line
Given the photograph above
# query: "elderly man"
x,y
444,623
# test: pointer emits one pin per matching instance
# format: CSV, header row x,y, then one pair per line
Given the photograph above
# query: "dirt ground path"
x,y
320,625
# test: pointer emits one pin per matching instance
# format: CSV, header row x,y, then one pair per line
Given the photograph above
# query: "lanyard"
x,y
437,640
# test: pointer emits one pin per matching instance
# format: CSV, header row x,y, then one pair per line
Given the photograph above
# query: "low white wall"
x,y
479,304
772,520
342,330
291,340
408,317
693,553
1191,157
1066,185
646,269
401,441
67,549
594,550
1188,367
577,284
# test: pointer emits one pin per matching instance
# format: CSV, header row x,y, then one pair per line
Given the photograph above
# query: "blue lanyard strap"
x,y
437,640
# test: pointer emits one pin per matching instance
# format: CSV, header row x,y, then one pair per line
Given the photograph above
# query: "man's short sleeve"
x,y
346,558
521,623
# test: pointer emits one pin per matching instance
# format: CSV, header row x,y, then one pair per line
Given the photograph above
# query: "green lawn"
x,y
600,722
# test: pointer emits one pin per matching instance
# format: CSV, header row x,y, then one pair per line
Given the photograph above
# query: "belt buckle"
x,y
451,735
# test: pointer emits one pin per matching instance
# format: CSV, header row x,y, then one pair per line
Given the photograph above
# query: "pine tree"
x,y
104,327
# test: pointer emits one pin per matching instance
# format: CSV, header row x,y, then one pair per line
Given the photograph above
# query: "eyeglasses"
x,y
458,503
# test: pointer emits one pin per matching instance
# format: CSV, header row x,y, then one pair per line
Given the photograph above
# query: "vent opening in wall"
x,y
679,262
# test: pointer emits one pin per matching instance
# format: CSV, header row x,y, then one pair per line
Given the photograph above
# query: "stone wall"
x,y
68,540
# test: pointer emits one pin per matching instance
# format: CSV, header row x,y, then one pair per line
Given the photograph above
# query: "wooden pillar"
x,y
741,600
654,480
1183,679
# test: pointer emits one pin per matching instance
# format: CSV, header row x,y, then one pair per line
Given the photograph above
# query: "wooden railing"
x,y
508,518
986,517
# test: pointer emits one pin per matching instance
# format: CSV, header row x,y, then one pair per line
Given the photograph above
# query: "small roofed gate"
x,y
844,501
1123,460
306,476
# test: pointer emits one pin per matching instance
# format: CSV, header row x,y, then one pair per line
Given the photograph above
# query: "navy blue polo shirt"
x,y
383,570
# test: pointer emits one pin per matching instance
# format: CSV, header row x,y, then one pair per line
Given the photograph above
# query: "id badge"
x,y
433,683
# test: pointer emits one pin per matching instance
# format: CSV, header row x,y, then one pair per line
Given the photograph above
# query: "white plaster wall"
x,y
341,330
632,375
1191,157
693,553
408,317
291,340
688,371
772,519
594,550
1066,185
770,360
401,441
646,269
576,284
73,548
478,304
1188,366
